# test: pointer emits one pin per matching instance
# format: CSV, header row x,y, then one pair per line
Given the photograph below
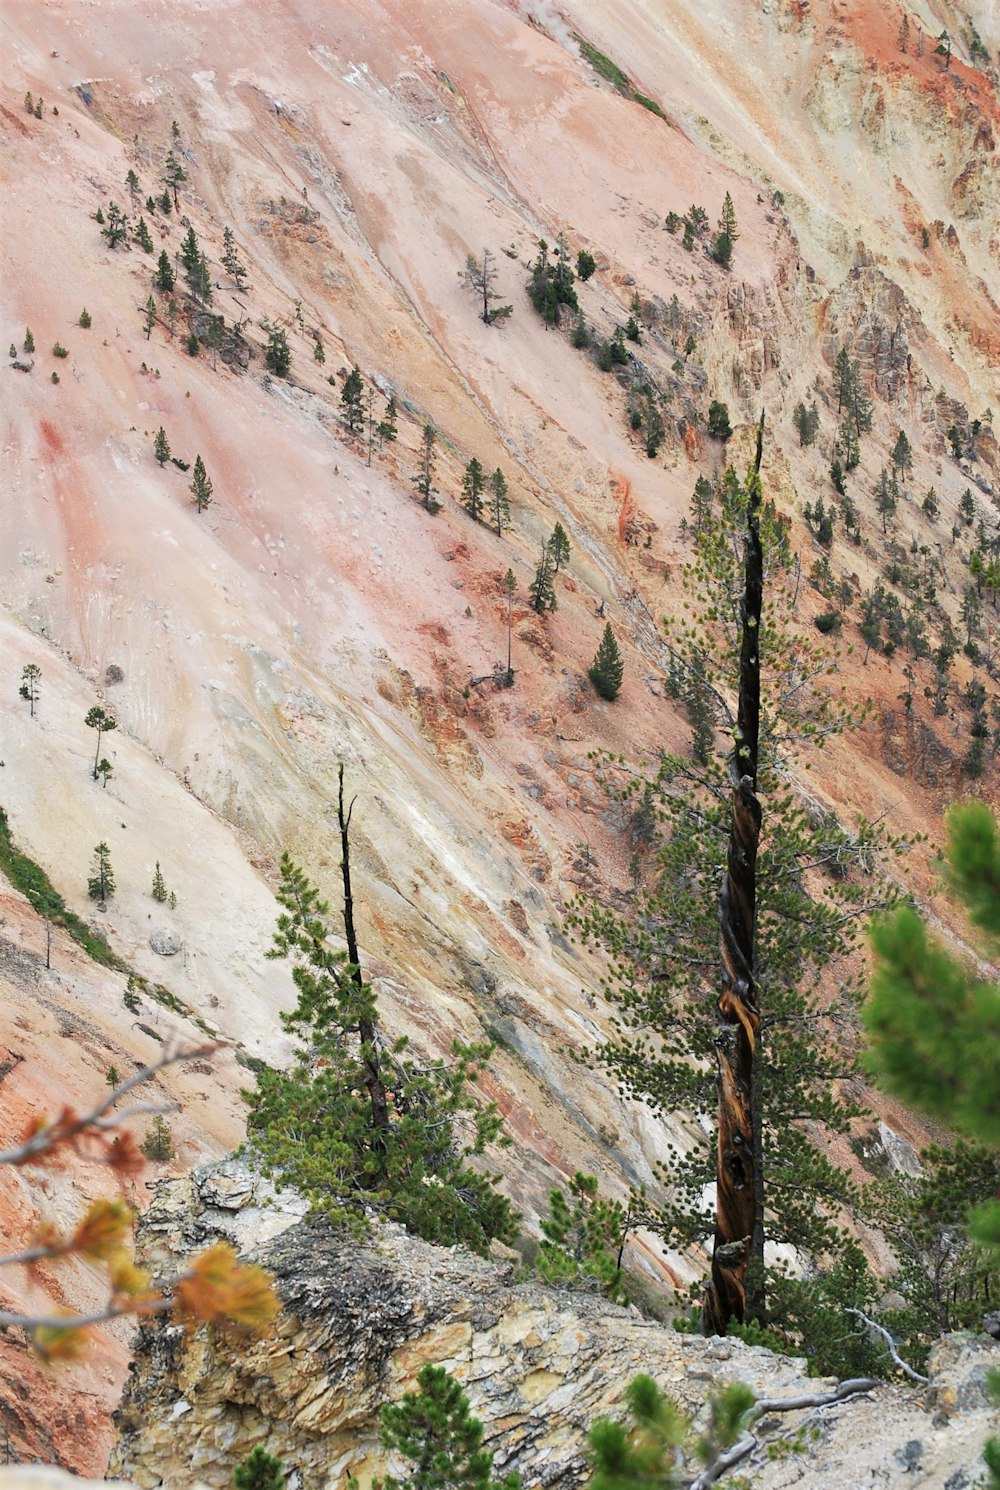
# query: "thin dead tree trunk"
x,y
367,1032
739,1231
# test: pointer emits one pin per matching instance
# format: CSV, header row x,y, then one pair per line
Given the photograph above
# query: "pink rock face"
x,y
316,611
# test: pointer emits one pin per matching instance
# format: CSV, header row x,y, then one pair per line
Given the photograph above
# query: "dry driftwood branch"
x,y
890,1346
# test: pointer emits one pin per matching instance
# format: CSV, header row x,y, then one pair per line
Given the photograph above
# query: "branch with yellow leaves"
x,y
216,1288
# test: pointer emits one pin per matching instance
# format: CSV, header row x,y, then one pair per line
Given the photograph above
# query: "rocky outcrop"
x,y
539,1365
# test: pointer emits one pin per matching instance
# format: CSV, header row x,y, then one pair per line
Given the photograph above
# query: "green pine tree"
x,y
97,718
608,668
388,429
259,1471
542,590
357,1122
231,261
101,884
161,446
159,891
499,501
352,399
173,175
932,1022
424,479
436,1432
201,485
31,676
559,546
142,236
473,486
664,945
277,353
163,279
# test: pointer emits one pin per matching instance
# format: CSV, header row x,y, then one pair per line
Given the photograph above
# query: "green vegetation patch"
x,y
32,881
614,75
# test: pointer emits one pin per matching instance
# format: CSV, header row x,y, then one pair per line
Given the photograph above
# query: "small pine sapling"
x,y
158,1144
29,341
161,446
31,676
435,1430
85,319
259,1471
201,485
101,884
159,890
97,718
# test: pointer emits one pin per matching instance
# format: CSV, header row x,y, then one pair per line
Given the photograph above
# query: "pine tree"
x,y
358,1122
31,675
101,884
675,1031
115,230
542,591
886,497
424,479
480,277
727,221
132,182
473,486
159,890
388,428
230,258
104,770
719,426
163,279
843,378
608,668
352,399
29,341
173,175
499,501
161,446
201,485
277,353
259,1471
902,453
435,1430
142,236
509,585
150,322
932,1020
559,545
97,718
806,421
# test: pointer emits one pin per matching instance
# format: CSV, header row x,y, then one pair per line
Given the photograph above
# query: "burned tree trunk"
x,y
368,1035
736,1284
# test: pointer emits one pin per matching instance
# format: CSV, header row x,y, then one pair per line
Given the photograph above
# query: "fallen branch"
x,y
746,1444
890,1346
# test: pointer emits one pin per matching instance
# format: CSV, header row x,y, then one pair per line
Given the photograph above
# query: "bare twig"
x,y
890,1346
71,1125
743,1446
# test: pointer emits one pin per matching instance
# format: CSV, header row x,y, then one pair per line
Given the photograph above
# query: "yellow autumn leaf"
x,y
101,1230
61,1342
219,1289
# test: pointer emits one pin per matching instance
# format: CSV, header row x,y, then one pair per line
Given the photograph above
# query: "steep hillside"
x,y
316,612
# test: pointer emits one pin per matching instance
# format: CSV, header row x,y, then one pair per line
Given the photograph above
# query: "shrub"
x,y
85,319
829,620
718,420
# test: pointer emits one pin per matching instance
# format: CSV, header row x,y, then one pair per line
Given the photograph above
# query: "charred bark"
x,y
736,1284
367,1033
